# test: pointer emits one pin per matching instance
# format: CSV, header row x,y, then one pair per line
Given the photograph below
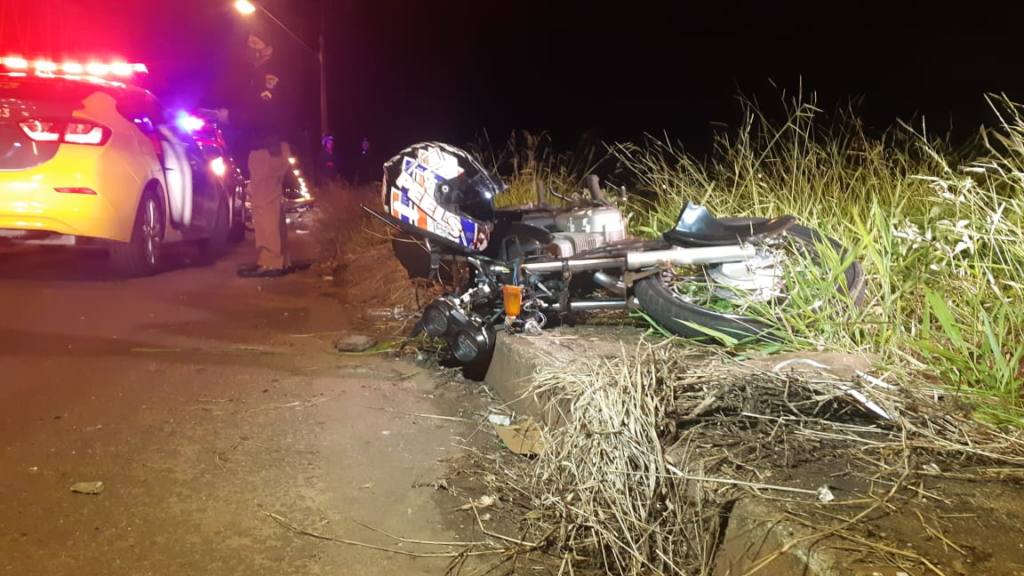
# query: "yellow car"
x,y
86,160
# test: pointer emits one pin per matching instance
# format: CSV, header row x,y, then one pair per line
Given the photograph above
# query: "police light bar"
x,y
45,67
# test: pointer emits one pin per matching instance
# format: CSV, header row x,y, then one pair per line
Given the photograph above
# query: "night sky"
x,y
401,71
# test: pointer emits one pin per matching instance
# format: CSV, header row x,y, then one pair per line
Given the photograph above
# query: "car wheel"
x,y
142,256
214,247
237,232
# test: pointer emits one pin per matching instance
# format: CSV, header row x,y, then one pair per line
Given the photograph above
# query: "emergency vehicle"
x,y
88,157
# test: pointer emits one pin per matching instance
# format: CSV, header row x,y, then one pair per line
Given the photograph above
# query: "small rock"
x,y
91,488
354,343
825,494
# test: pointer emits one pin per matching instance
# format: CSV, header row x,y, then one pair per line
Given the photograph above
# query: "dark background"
x,y
402,71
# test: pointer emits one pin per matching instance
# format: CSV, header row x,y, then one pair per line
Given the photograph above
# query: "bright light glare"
x,y
97,69
45,67
121,69
72,68
218,166
292,160
244,7
188,122
15,63
296,172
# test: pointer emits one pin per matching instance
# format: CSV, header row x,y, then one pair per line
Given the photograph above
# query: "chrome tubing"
x,y
587,305
689,256
610,283
574,265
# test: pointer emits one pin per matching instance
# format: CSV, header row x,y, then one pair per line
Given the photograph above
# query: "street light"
x,y
247,8
244,7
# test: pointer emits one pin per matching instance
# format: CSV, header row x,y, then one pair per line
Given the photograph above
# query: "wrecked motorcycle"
x,y
536,266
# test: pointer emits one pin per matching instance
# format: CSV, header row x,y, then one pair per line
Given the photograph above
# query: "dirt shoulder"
x,y
205,403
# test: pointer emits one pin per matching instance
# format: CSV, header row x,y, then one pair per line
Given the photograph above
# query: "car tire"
x,y
142,256
212,248
236,233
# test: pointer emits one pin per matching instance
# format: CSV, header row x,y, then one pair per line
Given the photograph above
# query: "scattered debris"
x,y
479,504
354,343
525,438
825,494
91,488
500,419
396,313
293,528
436,485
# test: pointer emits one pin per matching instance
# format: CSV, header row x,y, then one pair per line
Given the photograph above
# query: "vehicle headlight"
x,y
469,345
435,320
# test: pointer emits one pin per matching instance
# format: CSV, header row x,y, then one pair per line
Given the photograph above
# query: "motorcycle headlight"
x,y
469,345
435,320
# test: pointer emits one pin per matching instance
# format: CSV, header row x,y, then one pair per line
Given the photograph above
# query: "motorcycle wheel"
x,y
660,300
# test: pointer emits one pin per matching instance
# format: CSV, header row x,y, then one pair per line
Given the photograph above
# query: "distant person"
x,y
362,162
327,163
261,121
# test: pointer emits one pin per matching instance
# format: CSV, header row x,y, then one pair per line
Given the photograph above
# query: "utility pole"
x,y
323,76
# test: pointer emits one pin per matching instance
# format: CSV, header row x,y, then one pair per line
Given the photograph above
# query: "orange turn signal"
x,y
513,298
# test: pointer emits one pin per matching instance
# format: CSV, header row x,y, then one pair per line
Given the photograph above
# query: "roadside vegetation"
x,y
939,230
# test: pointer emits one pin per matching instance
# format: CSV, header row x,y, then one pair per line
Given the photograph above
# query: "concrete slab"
x,y
518,357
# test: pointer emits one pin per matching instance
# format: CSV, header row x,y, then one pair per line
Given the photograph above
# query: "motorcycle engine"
x,y
586,229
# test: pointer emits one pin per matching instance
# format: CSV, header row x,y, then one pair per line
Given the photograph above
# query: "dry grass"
x,y
659,443
356,250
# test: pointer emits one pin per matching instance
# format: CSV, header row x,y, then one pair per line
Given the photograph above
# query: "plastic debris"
x,y
90,488
825,494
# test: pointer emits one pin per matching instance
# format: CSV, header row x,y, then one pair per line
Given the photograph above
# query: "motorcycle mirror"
x,y
594,185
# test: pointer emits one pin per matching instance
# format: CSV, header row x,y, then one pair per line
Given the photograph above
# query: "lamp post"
x,y
248,8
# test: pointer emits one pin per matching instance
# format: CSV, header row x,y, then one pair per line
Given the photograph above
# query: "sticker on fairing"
x,y
413,202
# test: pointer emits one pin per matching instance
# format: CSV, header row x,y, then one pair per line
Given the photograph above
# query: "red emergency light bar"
x,y
116,69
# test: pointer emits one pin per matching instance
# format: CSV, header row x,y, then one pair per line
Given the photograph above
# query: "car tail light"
x,y
218,166
78,132
41,130
71,132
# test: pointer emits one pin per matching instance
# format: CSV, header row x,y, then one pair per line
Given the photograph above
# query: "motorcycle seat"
x,y
698,227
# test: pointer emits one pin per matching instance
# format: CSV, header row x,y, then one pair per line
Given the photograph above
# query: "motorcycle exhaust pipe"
x,y
589,305
689,256
610,283
574,265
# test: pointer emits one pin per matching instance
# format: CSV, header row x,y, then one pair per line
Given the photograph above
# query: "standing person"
x,y
363,161
327,163
261,121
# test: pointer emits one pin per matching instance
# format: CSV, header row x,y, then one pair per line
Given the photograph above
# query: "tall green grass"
x,y
939,231
532,163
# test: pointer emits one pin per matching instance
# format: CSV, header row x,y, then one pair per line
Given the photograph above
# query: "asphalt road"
x,y
204,403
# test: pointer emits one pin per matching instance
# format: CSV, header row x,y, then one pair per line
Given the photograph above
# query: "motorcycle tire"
x,y
681,317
